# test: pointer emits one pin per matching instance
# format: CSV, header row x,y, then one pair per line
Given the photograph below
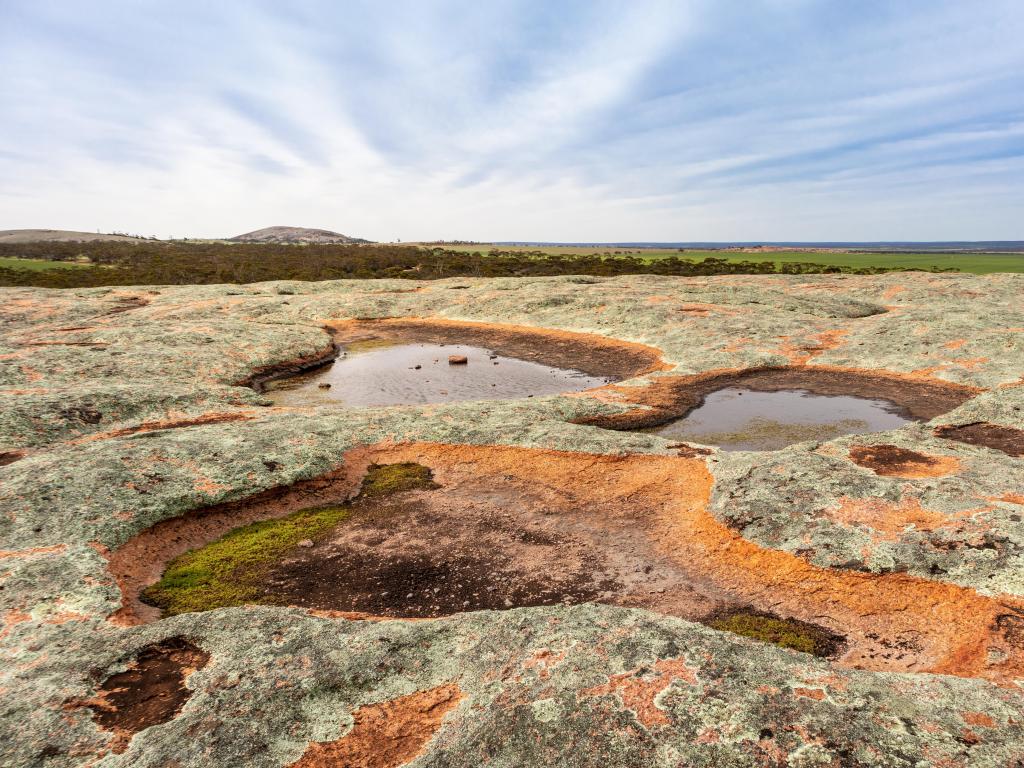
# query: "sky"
x,y
546,120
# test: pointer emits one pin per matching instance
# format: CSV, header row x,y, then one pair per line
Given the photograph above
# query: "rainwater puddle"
x,y
739,419
411,374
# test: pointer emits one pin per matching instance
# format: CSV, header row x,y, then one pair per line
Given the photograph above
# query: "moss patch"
x,y
384,479
785,633
230,570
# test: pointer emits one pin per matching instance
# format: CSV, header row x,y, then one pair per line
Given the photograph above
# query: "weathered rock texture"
x,y
121,409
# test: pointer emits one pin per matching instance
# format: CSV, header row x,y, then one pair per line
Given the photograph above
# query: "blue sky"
x,y
547,120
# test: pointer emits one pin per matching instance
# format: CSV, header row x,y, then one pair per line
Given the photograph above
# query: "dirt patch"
x,y
1006,439
893,461
386,735
426,555
668,398
151,691
594,355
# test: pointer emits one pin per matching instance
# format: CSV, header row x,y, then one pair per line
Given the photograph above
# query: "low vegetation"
x,y
230,570
192,263
786,633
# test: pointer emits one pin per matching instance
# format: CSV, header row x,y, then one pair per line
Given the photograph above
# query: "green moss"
x,y
384,479
786,633
230,570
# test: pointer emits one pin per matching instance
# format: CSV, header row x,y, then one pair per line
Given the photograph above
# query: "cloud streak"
x,y
700,120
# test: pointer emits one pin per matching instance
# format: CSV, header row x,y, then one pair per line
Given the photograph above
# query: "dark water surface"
x,y
738,419
388,375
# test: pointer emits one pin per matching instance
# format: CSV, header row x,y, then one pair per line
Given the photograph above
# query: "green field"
x,y
978,263
36,265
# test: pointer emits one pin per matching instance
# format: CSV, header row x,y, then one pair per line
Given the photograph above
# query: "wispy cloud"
x,y
761,119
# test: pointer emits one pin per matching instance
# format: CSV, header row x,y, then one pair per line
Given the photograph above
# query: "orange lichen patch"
x,y
954,344
892,461
810,693
888,521
11,619
32,551
543,661
978,719
386,735
802,351
588,352
893,291
639,688
1012,498
152,426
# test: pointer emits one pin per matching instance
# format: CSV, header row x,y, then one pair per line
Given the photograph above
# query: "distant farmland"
x,y
976,263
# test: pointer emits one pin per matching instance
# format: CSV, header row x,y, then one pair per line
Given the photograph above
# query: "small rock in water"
x,y
457,360
306,543
325,385
417,367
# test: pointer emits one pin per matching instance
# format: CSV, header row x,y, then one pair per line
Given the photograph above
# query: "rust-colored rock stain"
x,y
386,735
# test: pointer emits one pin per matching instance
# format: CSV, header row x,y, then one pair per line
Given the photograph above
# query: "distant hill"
x,y
59,235
297,235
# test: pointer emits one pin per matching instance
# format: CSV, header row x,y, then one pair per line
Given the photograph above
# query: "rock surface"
x,y
121,408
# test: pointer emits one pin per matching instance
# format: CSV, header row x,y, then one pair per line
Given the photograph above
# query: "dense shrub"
x,y
188,263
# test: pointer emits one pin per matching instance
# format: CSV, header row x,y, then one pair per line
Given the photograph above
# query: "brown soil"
x,y
1005,439
386,735
151,691
592,354
625,530
668,398
892,461
482,545
9,457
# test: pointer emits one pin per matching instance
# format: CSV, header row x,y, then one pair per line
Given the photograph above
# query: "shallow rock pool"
x,y
740,419
409,374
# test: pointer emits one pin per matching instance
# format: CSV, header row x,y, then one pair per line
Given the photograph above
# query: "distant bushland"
x,y
195,263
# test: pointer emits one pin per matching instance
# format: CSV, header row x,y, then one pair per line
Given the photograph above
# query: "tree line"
x,y
109,263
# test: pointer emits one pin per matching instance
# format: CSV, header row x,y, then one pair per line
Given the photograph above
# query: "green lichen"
x,y
230,570
785,633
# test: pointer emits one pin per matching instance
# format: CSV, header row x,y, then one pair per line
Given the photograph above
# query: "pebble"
x,y
306,543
